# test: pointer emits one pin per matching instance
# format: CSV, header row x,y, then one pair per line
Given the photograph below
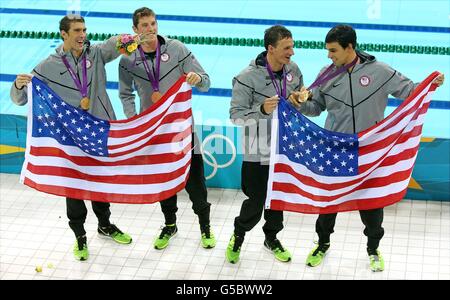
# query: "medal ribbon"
x,y
329,74
282,93
82,88
154,78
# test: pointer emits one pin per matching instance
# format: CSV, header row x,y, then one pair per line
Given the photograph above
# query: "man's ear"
x,y
63,34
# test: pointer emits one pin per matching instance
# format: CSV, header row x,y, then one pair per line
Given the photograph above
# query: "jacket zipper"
x,y
351,97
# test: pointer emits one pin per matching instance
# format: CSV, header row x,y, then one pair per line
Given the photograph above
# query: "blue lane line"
x,y
231,20
217,92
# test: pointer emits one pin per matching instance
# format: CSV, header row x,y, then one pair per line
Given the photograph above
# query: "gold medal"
x,y
84,103
304,95
156,96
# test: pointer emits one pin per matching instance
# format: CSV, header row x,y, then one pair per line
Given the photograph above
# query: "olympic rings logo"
x,y
211,160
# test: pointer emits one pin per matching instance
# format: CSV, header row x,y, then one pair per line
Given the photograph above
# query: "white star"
x,y
65,124
85,138
295,133
284,113
336,143
285,138
40,129
351,156
302,142
350,170
314,160
308,137
101,129
68,112
58,130
314,146
351,143
343,150
79,129
291,146
328,149
60,115
343,163
342,140
328,162
308,151
321,155
99,141
39,117
87,126
50,96
321,141
302,128
38,87
63,137
297,155
52,123
93,134
63,103
321,168
335,170
55,106
74,121
46,115
335,156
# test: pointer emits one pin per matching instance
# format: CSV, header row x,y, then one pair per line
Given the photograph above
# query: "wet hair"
x,y
142,12
274,34
66,22
343,34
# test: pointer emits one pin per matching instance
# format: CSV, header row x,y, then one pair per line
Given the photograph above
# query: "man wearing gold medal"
x,y
150,71
271,77
354,90
76,72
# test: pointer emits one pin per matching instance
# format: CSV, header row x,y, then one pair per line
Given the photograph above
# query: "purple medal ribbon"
x,y
154,78
82,88
281,94
329,74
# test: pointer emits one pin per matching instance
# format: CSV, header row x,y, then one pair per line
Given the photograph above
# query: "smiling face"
x,y
147,24
280,54
74,38
339,55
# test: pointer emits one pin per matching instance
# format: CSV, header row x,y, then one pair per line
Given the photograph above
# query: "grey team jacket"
x,y
355,101
176,60
250,88
54,73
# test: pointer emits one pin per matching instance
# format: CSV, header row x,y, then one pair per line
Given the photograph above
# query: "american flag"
x,y
143,159
313,170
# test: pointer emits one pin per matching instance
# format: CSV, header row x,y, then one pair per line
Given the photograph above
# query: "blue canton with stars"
x,y
323,152
54,118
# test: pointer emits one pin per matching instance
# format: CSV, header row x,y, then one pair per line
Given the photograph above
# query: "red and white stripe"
x,y
387,152
149,161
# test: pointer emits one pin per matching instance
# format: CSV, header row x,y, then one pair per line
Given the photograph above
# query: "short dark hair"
x,y
274,34
343,34
65,22
142,12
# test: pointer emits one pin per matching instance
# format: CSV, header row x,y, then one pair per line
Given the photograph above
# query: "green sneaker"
x,y
167,233
376,260
316,256
278,250
80,250
234,249
113,232
208,240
